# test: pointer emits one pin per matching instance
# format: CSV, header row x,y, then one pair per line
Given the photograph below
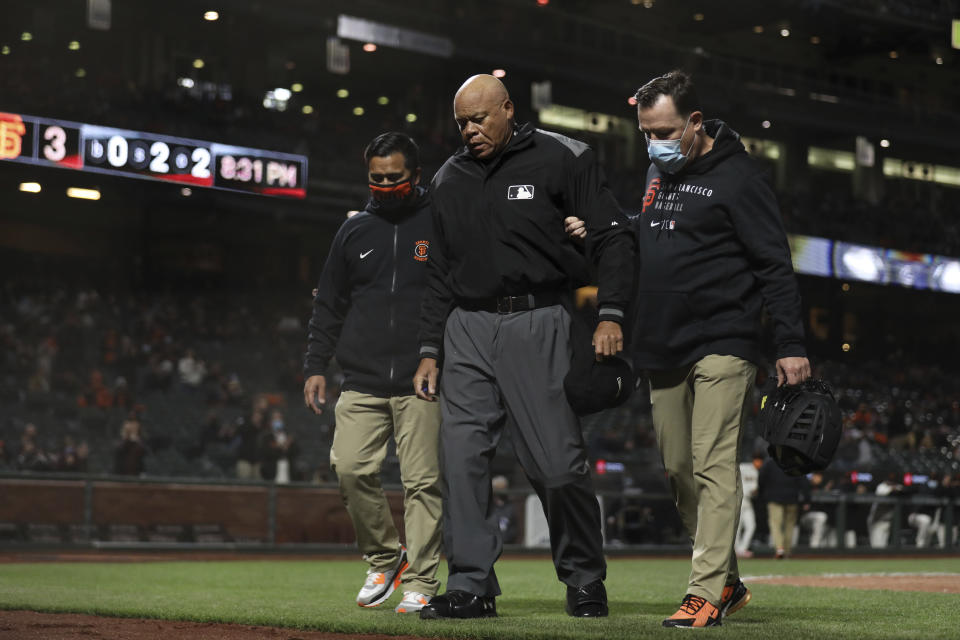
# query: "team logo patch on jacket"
x,y
420,250
520,192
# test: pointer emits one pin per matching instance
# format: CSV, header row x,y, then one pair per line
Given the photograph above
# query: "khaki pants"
x,y
364,426
782,519
698,411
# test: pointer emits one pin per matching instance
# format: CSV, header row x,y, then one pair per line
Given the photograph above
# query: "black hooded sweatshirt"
x,y
367,306
712,251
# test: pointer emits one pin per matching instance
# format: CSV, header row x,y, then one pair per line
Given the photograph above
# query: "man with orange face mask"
x,y
365,311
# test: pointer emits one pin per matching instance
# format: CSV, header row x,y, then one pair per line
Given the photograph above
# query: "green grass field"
x,y
318,594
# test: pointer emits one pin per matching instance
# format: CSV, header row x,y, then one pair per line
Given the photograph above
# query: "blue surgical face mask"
x,y
668,155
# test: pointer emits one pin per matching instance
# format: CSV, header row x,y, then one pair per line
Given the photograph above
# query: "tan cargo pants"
x,y
698,412
364,426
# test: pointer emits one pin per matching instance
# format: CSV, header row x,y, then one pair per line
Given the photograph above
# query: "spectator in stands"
x,y
949,489
922,516
278,450
192,371
248,432
783,495
159,373
504,512
880,518
129,455
32,457
122,396
750,481
73,458
815,520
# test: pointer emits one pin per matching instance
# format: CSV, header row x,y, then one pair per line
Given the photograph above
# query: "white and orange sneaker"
x,y
379,585
412,602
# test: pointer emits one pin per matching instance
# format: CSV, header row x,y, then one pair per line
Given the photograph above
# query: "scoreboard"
x,y
134,154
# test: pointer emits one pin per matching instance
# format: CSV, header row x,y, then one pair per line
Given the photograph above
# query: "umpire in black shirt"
x,y
496,313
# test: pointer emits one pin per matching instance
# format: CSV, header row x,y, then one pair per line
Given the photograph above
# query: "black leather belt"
x,y
512,304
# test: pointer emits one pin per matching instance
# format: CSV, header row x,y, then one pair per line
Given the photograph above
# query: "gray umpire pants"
x,y
506,372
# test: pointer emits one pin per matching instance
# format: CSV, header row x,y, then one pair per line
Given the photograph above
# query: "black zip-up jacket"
x,y
499,229
712,251
367,305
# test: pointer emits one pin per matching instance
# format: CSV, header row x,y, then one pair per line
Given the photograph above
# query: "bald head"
x,y
484,113
482,86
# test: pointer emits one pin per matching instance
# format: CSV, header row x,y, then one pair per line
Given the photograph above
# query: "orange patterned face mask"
x,y
392,192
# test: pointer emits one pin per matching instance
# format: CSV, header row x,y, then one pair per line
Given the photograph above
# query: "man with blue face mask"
x,y
713,253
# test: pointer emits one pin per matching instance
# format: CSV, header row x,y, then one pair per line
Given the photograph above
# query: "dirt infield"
x,y
30,625
932,582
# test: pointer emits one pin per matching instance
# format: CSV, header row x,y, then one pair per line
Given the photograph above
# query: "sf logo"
x,y
420,250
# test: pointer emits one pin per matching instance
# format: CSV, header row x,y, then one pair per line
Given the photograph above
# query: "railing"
x,y
82,510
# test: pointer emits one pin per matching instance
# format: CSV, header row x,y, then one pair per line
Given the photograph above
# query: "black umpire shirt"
x,y
498,228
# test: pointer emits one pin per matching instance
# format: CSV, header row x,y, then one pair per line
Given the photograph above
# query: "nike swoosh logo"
x,y
654,224
364,255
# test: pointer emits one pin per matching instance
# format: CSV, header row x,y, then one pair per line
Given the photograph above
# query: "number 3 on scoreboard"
x,y
56,150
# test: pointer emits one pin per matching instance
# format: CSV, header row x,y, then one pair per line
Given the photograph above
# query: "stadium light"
x,y
383,101
296,87
211,16
343,93
785,32
5,50
74,45
26,36
411,117
369,47
198,63
30,187
307,109
83,194
499,73
885,143
358,111
81,73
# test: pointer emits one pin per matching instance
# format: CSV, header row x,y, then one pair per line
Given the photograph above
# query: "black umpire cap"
x,y
593,386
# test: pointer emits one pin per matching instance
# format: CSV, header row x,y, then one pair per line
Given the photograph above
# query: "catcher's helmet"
x,y
802,424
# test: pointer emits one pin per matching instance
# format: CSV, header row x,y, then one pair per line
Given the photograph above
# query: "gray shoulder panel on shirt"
x,y
574,146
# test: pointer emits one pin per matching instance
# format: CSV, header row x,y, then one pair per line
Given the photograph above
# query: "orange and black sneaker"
x,y
734,597
694,612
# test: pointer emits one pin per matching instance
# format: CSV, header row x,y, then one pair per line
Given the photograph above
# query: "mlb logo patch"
x,y
520,192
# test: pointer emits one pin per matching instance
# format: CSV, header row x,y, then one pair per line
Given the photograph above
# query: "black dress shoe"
x,y
459,604
589,601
